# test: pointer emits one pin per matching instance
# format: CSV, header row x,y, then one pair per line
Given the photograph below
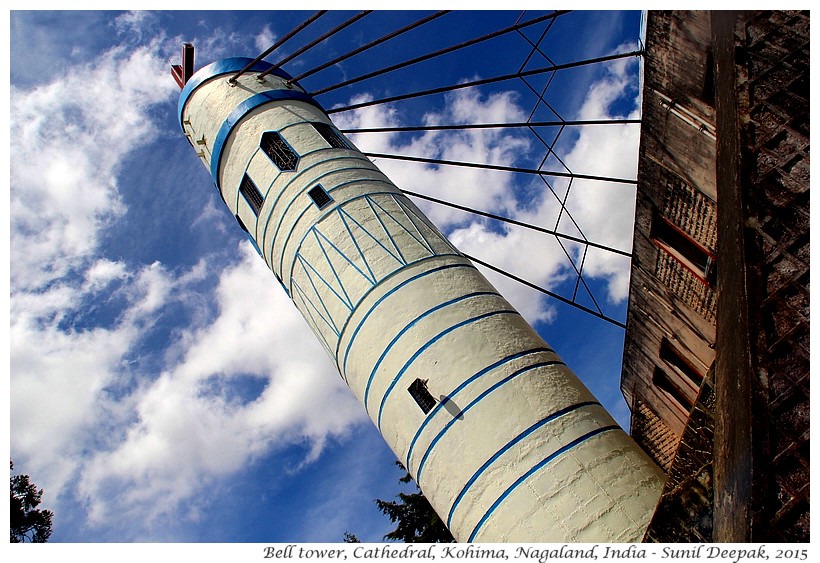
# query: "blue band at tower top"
x,y
230,66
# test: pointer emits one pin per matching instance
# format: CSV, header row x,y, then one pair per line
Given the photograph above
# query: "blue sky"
x,y
162,386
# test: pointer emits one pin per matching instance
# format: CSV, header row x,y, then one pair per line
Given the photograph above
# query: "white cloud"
x,y
56,381
470,187
85,420
68,138
187,432
134,23
264,39
103,272
604,211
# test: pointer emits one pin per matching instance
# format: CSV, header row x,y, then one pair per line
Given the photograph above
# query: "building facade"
x,y
716,365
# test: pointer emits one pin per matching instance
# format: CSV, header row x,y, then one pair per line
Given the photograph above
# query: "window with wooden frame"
x,y
683,248
670,354
661,380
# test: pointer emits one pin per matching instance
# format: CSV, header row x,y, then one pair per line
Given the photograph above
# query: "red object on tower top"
x,y
182,73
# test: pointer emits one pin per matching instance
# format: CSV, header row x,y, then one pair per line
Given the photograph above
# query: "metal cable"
x,y
438,53
316,41
481,82
369,45
411,128
502,168
547,292
518,223
278,44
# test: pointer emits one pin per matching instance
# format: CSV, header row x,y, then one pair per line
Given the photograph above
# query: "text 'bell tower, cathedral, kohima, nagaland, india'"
x,y
503,439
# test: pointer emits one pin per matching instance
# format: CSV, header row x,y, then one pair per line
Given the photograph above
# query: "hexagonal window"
x,y
279,151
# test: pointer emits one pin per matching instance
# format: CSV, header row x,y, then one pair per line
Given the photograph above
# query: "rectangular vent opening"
x,y
671,356
418,390
319,196
331,135
684,249
662,381
252,194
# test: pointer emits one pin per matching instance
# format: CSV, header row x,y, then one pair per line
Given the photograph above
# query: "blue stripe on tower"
x,y
241,111
302,191
329,319
216,68
326,213
321,179
557,414
370,278
417,277
427,345
305,263
477,400
534,469
452,395
410,325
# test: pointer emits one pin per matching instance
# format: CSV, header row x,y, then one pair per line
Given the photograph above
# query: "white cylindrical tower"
x,y
504,440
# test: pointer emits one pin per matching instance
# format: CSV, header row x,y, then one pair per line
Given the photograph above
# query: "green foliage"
x,y
28,523
351,538
417,521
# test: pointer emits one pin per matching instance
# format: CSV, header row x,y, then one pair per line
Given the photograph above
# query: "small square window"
x,y
418,390
319,196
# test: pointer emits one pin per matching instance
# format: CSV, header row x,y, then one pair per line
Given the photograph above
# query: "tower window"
x,y
418,390
671,356
708,95
684,249
319,196
331,135
662,381
252,194
278,151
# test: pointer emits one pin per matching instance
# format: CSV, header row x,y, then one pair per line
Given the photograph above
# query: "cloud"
x,y
68,139
464,186
91,416
606,210
189,430
264,39
103,272
135,24
602,212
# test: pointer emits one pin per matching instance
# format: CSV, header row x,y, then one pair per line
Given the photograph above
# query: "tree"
x,y
417,521
28,523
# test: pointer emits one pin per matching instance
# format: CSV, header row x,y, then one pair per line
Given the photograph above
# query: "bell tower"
x,y
505,441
